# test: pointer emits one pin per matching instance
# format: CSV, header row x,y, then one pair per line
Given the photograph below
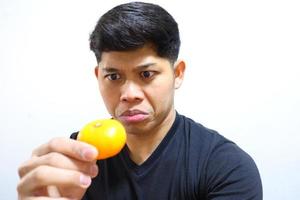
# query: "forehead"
x,y
129,59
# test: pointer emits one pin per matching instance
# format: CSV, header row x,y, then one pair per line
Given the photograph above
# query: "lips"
x,y
133,116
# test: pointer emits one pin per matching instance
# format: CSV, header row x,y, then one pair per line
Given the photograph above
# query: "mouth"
x,y
133,116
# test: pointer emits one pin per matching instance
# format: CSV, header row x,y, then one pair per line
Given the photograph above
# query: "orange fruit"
x,y
107,135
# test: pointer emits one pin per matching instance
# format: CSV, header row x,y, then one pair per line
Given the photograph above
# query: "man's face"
x,y
138,88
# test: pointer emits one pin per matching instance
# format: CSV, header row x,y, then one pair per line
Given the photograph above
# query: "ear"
x,y
97,71
179,69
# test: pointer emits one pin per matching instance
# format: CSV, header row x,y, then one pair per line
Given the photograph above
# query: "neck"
x,y
141,146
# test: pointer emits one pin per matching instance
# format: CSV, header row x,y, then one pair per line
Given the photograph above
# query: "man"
x,y
167,155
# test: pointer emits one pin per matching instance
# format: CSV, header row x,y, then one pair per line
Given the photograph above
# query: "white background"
x,y
242,79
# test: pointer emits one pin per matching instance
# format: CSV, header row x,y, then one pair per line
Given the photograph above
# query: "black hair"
x,y
132,25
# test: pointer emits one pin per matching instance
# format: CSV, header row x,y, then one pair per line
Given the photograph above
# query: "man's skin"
x,y
138,89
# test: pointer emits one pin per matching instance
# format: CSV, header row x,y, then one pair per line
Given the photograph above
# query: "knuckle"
x,y
34,153
24,168
38,174
53,158
21,170
75,149
53,143
19,187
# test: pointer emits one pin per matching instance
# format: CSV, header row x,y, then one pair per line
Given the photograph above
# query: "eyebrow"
x,y
109,69
137,68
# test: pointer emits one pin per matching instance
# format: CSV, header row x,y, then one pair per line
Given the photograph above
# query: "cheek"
x,y
165,86
161,94
110,98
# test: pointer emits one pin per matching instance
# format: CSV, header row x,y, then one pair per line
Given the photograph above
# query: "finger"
x,y
50,192
73,148
45,198
53,191
43,176
59,161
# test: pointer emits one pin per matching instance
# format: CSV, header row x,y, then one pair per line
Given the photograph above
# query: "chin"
x,y
137,129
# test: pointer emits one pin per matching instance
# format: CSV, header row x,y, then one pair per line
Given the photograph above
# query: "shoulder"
x,y
230,172
199,134
214,142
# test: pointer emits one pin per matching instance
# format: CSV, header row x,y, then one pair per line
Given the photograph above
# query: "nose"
x,y
131,92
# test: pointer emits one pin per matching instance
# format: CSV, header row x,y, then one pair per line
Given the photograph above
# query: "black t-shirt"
x,y
191,162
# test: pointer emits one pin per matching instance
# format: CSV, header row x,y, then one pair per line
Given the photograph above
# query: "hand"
x,y
59,169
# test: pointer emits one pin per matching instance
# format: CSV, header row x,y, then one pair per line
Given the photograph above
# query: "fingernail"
x,y
85,180
89,154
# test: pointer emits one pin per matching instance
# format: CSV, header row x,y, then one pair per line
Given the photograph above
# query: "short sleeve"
x,y
232,174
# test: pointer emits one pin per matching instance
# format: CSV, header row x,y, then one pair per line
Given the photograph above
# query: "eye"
x,y
147,74
113,77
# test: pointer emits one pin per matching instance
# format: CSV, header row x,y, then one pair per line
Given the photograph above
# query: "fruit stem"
x,y
98,124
